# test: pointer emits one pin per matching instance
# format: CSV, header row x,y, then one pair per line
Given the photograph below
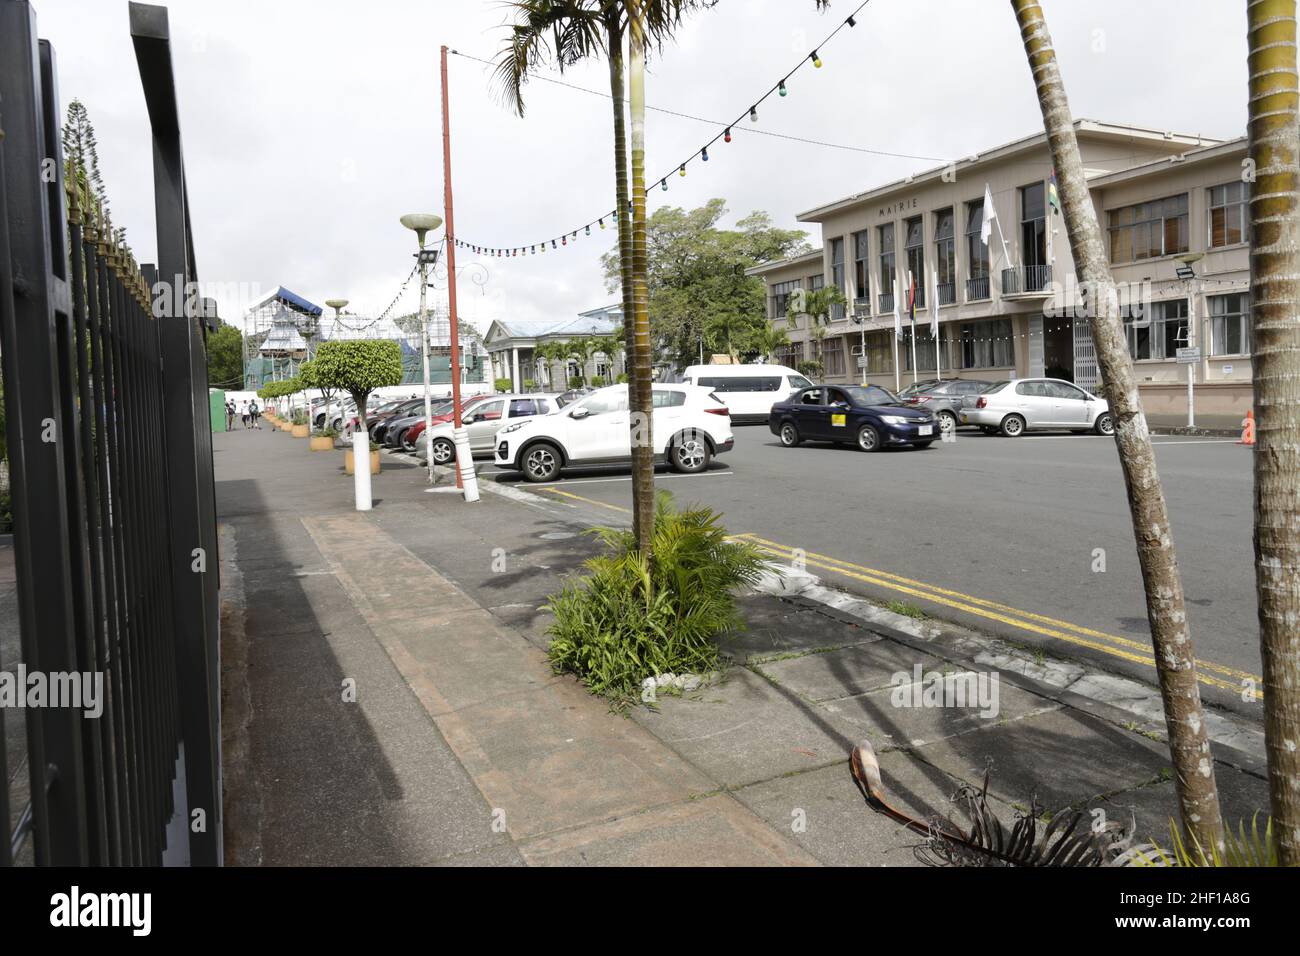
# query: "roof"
x,y
595,322
758,270
1090,128
1228,147
284,335
283,295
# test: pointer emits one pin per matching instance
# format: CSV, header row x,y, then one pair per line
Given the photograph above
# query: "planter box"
x,y
322,443
300,431
349,465
284,426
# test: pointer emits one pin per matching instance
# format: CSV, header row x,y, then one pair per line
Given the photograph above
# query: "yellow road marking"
x,y
1112,644
993,611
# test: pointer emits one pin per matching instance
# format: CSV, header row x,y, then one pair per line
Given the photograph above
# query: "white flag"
x,y
986,227
898,316
934,305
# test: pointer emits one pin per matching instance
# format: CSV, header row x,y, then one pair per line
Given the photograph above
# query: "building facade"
x,y
513,346
1174,211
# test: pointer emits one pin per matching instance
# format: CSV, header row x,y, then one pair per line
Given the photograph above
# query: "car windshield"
x,y
870,395
995,386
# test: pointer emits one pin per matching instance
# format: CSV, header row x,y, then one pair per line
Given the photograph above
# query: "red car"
x,y
412,436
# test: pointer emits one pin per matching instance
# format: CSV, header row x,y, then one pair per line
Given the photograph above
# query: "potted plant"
x,y
322,439
349,460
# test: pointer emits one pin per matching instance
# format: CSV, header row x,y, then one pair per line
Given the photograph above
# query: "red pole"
x,y
451,257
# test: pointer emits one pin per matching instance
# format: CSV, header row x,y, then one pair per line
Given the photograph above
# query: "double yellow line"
x,y
1138,652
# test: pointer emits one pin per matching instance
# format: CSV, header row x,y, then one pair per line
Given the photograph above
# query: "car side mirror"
x,y
580,412
467,419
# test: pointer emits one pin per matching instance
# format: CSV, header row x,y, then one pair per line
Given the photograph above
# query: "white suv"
x,y
690,425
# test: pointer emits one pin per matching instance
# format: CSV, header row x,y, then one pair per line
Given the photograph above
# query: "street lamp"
x,y
337,305
421,224
1185,272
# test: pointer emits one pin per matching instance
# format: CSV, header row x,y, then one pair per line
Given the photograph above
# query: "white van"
x,y
749,391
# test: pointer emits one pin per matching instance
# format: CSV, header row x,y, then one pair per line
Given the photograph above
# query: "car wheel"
x,y
1105,424
947,422
868,438
789,435
690,453
1013,426
444,452
541,462
406,443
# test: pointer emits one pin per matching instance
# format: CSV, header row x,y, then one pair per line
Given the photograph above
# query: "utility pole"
x,y
465,477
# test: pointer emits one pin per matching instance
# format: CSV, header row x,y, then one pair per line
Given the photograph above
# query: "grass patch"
x,y
907,610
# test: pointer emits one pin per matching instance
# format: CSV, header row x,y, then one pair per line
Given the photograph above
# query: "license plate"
x,y
925,430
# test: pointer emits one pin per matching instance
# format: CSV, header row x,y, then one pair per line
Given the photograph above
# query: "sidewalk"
x,y
463,747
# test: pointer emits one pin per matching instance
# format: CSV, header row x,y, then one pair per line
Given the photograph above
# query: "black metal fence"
x,y
114,549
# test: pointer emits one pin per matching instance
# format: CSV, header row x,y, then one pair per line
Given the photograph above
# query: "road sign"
x,y
1189,356
862,361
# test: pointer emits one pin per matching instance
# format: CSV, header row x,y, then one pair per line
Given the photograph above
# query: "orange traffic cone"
x,y
1248,428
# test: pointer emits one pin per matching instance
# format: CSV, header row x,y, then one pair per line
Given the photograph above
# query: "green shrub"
x,y
622,378
503,384
329,431
1240,849
631,618
598,381
299,417
575,381
529,385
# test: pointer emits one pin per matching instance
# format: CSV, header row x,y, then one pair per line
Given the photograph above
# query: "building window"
x,y
915,245
1159,334
1227,214
1147,230
816,282
925,348
1229,324
880,352
1033,225
885,241
977,253
945,257
833,355
837,276
987,344
780,297
861,266
790,354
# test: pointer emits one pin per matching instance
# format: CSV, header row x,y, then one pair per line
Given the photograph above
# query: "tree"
x,y
226,357
548,353
1274,151
817,305
570,31
1175,660
696,274
609,346
358,367
765,341
80,146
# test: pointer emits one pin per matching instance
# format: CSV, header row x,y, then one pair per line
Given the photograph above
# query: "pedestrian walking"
x,y
243,412
230,415
255,414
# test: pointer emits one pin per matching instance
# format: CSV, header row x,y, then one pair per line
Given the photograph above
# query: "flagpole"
x,y
934,310
911,309
898,328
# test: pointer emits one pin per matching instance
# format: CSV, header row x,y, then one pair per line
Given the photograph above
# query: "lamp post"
x,y
337,305
1185,272
421,224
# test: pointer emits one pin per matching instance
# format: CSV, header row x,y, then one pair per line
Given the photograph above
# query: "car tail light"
x,y
719,411
981,402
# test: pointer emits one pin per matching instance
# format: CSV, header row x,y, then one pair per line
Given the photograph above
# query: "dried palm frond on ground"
x,y
987,841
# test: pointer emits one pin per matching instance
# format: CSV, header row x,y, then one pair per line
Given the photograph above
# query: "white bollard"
x,y
361,468
465,462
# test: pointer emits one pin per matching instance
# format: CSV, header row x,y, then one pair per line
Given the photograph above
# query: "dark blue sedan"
x,y
867,415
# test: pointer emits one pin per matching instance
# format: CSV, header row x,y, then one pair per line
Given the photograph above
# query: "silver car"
x,y
482,421
1030,404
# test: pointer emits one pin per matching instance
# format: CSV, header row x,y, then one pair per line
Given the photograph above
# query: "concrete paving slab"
x,y
711,831
746,729
1241,796
848,671
779,627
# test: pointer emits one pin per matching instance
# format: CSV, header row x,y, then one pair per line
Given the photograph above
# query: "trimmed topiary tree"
x,y
358,367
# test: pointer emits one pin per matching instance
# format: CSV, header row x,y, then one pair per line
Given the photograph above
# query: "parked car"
x,y
573,394
396,427
750,391
482,420
413,430
689,426
944,399
1030,404
379,423
917,387
867,415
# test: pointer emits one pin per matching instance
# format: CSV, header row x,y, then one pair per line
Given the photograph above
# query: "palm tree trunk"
x,y
614,32
640,402
1275,369
1175,661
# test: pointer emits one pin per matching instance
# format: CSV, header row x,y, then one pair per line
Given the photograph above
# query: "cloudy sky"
x,y
310,126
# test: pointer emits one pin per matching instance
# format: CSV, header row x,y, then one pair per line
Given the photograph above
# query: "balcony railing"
x,y
1026,279
946,293
977,288
886,301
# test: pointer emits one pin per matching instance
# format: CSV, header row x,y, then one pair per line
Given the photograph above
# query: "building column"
x,y
514,359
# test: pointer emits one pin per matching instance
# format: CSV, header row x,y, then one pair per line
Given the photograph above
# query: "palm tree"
x,y
1275,369
766,340
1174,658
548,353
818,305
608,346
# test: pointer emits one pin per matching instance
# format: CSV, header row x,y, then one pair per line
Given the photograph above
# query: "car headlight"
x,y
512,428
894,419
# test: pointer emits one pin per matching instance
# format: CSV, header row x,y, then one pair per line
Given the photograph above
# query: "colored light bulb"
x,y
588,230
781,89
663,184
817,60
602,223
704,154
681,170
726,135
753,114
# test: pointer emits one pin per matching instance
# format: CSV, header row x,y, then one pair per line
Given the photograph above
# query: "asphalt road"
x,y
997,533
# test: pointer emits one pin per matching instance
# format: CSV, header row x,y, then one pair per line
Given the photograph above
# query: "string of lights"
x,y
563,239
